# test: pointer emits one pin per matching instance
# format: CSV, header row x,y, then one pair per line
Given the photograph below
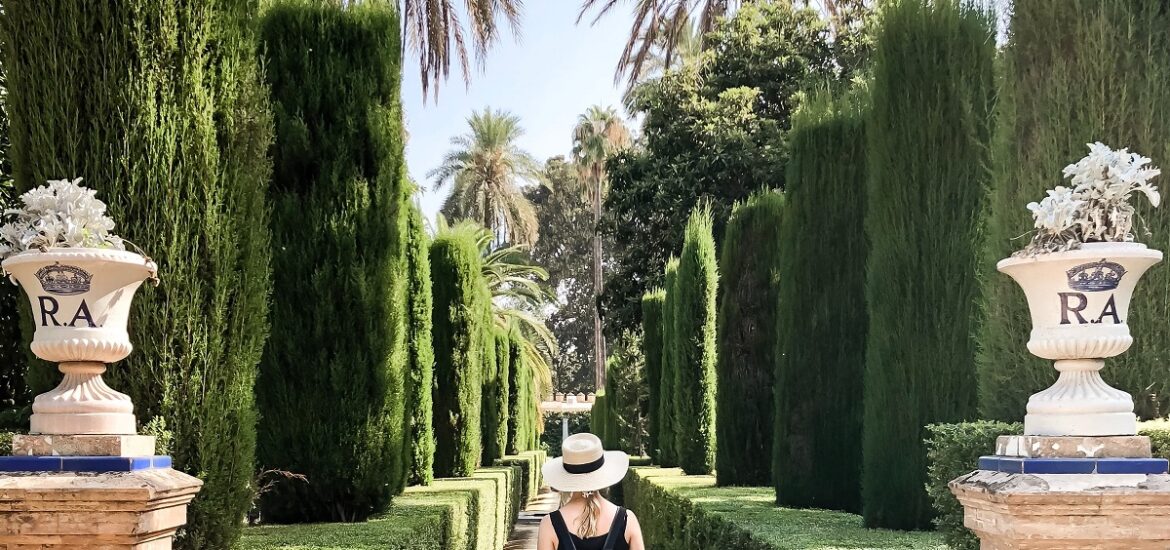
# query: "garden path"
x,y
524,533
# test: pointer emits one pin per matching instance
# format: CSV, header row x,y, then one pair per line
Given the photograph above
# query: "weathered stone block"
x,y
83,445
70,511
1042,446
1066,511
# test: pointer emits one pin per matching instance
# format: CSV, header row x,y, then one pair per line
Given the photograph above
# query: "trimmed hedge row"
x,y
684,512
954,450
530,463
468,513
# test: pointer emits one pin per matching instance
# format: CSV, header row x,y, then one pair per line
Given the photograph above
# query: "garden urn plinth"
x,y
1079,302
80,300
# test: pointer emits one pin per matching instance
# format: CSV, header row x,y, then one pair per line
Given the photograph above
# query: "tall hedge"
x,y
696,283
820,333
1074,72
420,368
928,164
652,304
161,108
750,272
333,377
460,326
495,394
503,390
601,420
523,402
667,453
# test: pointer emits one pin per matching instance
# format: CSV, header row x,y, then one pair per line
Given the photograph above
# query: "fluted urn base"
x,y
1080,403
82,404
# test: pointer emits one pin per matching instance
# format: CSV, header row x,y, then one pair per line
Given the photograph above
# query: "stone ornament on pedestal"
x,y
1079,302
80,300
1079,477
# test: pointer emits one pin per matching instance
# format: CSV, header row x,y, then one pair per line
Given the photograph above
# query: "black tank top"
x,y
614,540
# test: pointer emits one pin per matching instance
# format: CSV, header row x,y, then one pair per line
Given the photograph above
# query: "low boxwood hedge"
x,y
954,450
470,513
530,463
678,511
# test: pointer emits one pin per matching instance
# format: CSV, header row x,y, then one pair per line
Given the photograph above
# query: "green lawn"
x,y
748,517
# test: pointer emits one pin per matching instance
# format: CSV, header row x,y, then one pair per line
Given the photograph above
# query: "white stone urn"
x,y
1079,302
80,301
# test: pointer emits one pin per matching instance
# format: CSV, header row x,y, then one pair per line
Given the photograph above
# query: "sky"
x,y
552,74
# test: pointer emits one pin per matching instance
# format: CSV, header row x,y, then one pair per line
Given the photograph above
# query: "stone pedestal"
x,y
138,510
1066,511
82,445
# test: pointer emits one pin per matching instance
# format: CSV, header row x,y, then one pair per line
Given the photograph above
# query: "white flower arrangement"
x,y
1096,208
61,214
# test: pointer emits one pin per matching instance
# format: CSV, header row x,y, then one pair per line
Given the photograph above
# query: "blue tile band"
x,y
1022,465
93,464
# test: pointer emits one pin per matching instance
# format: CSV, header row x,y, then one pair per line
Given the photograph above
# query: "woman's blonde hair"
x,y
587,522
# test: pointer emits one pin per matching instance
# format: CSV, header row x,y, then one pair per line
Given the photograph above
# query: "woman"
x,y
586,520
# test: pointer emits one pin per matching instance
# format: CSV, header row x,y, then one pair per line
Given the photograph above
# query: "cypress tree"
x,y
652,303
161,108
501,391
495,395
668,455
750,268
927,141
517,424
696,283
1074,72
334,372
460,317
420,373
821,325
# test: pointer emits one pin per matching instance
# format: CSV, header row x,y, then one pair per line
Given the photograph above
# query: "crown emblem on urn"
x,y
1095,276
64,280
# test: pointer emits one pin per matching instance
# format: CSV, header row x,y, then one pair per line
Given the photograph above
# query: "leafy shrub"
x,y
953,450
627,395
927,142
1159,433
550,440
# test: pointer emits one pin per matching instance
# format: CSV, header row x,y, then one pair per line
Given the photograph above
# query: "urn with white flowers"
x,y
1079,273
80,280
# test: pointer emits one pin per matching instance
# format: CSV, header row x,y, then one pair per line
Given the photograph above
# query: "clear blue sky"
x,y
556,71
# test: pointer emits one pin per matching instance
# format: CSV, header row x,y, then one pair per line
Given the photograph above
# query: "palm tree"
x,y
434,31
485,167
659,27
600,132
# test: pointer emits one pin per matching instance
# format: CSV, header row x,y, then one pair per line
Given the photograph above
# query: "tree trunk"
x,y
598,337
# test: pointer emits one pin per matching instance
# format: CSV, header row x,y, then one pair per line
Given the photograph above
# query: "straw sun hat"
x,y
584,465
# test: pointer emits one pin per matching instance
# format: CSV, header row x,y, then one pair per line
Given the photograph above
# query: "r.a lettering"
x,y
1072,304
50,307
